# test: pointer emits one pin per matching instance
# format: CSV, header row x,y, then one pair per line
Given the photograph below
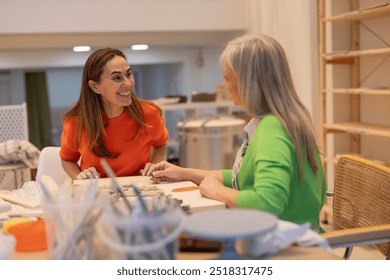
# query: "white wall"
x,y
5,87
56,16
11,87
59,94
211,70
294,25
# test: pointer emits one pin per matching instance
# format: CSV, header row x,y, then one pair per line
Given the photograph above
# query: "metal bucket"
x,y
210,142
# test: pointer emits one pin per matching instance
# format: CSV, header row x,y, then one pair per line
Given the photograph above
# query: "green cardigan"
x,y
268,177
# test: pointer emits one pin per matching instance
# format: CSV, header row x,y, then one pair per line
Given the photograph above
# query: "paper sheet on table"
x,y
192,198
30,192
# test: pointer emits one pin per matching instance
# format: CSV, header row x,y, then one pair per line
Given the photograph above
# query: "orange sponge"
x,y
30,236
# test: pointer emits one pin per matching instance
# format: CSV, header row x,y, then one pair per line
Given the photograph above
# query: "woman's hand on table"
x,y
89,173
162,171
210,187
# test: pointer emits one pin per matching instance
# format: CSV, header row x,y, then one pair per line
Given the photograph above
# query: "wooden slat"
x,y
355,78
362,14
360,91
358,128
322,75
347,54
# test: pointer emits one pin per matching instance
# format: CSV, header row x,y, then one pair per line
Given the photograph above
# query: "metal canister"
x,y
210,142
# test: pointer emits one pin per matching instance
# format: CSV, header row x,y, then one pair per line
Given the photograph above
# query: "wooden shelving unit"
x,y
347,25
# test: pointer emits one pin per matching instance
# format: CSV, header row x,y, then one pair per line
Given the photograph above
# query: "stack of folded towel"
x,y
19,150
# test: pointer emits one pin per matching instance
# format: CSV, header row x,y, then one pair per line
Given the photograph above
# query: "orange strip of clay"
x,y
186,189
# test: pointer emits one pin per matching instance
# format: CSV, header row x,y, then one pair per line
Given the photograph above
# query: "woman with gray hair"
x,y
278,169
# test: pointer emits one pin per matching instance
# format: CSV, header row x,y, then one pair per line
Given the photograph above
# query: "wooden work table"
x,y
291,253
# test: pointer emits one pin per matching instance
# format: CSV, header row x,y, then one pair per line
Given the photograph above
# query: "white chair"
x,y
50,164
13,125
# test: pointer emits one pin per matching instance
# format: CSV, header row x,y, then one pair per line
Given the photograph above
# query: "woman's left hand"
x,y
211,187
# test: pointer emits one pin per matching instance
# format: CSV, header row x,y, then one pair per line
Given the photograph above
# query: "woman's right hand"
x,y
89,173
164,171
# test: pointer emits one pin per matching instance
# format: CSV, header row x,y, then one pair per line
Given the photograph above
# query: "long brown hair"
x,y
89,109
265,86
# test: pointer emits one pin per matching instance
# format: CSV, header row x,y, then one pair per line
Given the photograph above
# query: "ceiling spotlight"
x,y
140,47
81,49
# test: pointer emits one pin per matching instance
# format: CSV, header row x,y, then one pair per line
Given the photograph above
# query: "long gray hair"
x,y
265,85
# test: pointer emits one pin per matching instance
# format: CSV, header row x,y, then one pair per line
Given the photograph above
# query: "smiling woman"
x,y
109,121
